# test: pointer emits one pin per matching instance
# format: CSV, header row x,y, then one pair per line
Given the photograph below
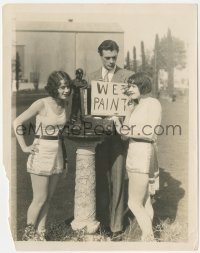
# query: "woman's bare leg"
x,y
148,207
53,180
138,187
40,193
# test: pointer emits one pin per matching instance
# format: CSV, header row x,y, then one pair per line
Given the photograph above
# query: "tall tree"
x,y
143,56
36,66
134,60
17,70
128,63
156,66
170,63
172,54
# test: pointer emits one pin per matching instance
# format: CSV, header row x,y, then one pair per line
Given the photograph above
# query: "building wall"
x,y
46,51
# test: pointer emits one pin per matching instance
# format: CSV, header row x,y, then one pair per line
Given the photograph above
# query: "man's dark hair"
x,y
108,45
143,82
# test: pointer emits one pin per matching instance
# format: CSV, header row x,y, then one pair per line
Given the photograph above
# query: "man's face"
x,y
109,59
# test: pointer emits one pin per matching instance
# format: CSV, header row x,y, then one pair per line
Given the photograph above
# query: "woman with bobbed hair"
x,y
143,117
46,159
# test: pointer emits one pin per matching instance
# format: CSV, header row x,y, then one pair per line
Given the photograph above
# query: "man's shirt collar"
x,y
109,72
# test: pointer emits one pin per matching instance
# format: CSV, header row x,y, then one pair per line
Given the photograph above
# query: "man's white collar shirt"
x,y
108,73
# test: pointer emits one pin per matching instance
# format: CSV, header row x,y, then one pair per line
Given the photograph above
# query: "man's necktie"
x,y
106,77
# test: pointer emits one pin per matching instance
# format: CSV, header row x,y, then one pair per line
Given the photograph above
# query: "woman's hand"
x,y
116,119
129,107
129,102
31,149
117,123
32,111
125,90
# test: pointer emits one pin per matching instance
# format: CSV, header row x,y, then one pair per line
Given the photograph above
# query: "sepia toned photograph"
x,y
100,125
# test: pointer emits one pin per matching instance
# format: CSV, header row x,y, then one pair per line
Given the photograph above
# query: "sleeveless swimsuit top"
x,y
50,123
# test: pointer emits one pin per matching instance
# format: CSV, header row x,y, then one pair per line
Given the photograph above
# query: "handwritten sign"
x,y
107,98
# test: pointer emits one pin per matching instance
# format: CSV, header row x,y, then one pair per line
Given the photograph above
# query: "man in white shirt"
x,y
110,170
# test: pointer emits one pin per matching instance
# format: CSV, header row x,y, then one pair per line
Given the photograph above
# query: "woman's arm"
x,y
33,110
129,110
120,127
117,123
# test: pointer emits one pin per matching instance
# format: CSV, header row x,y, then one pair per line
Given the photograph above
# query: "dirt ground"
x,y
170,202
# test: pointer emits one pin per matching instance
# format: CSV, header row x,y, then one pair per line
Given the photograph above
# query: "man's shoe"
x,y
68,221
117,236
104,230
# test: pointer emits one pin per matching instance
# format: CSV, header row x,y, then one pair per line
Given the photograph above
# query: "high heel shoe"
x,y
29,233
148,238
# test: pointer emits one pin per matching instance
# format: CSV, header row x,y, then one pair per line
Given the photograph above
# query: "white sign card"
x,y
107,98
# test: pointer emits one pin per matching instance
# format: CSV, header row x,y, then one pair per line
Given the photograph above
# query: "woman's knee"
x,y
134,205
39,200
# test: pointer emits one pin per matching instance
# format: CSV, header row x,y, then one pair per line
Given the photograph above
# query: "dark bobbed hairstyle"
x,y
108,45
143,82
53,82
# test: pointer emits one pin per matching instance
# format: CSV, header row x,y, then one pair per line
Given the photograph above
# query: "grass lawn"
x,y
170,203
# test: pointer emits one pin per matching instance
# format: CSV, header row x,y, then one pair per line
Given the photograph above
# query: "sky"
x,y
139,21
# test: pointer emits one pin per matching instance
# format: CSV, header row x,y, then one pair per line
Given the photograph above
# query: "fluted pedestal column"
x,y
85,189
